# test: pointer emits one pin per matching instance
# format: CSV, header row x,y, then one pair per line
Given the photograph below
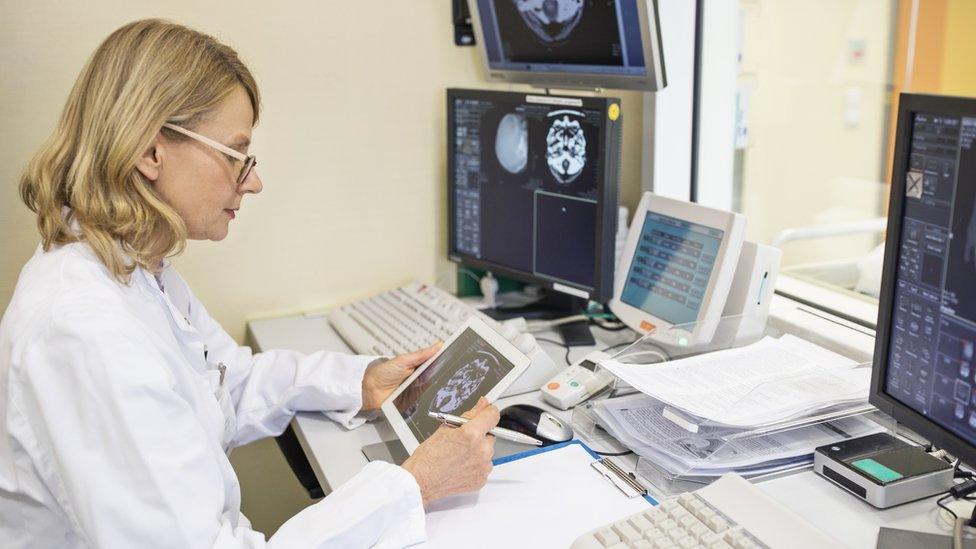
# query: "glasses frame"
x,y
249,160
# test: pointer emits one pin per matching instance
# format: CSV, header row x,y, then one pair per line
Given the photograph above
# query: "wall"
x,y
351,144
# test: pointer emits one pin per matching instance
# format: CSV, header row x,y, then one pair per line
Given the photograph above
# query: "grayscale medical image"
x,y
512,143
566,146
552,21
452,384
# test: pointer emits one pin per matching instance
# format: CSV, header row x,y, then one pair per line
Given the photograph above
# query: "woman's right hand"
x,y
455,459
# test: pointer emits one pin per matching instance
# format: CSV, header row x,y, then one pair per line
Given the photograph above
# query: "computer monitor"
x,y
532,187
924,359
571,43
677,269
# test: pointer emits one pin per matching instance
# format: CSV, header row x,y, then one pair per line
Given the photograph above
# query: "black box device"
x,y
883,470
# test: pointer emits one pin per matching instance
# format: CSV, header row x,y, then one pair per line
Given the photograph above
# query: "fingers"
x,y
418,357
483,419
478,406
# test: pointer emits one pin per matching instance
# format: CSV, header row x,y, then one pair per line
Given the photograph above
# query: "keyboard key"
x,y
656,516
744,543
700,530
733,535
717,523
687,542
653,534
626,532
667,525
677,512
710,539
663,543
607,536
687,521
640,523
677,533
642,544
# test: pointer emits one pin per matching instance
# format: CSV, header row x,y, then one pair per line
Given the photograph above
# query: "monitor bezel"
x,y
607,190
908,105
654,79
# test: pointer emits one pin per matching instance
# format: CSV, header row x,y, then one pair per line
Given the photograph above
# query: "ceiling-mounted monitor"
x,y
571,43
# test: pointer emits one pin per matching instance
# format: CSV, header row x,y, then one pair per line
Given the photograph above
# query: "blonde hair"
x,y
143,75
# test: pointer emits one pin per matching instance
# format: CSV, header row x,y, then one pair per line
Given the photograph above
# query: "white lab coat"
x,y
114,429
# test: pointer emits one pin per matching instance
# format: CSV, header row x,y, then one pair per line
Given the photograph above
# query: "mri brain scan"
x,y
552,21
463,384
566,146
512,143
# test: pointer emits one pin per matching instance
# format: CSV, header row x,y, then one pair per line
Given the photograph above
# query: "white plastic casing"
x,y
575,384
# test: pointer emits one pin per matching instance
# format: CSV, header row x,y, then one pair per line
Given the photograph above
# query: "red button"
x,y
552,386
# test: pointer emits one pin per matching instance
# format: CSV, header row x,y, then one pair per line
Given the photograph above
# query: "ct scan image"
x,y
512,143
452,384
560,32
566,146
552,21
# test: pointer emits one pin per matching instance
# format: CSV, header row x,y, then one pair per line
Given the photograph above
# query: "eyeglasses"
x,y
249,160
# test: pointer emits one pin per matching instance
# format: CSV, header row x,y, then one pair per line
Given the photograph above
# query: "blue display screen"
x,y
672,265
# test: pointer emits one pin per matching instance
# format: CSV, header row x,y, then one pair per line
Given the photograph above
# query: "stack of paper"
x,y
768,382
638,422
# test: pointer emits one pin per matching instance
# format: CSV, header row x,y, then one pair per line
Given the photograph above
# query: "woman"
x,y
119,395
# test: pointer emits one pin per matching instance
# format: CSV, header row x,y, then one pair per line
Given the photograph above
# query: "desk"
x,y
335,456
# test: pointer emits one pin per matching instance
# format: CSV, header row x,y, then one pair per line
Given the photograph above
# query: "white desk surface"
x,y
335,453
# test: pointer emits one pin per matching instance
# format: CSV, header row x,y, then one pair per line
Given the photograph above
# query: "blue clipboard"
x,y
536,451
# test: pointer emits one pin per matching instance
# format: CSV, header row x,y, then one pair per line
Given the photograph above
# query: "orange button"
x,y
552,386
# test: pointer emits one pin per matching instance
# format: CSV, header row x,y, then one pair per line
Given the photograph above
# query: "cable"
x,y
612,454
554,342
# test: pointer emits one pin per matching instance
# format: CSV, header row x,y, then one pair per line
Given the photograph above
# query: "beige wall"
x,y
350,144
805,165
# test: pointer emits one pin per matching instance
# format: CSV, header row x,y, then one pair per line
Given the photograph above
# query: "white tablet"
x,y
474,362
676,269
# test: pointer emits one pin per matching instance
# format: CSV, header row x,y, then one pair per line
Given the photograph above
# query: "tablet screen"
x,y
466,371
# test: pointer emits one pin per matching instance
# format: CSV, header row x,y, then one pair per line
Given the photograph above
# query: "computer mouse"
x,y
535,422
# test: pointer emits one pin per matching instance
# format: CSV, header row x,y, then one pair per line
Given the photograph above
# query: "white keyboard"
x,y
415,316
729,513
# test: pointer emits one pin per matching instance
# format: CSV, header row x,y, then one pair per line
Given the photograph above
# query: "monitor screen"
x,y
599,36
672,264
532,187
931,364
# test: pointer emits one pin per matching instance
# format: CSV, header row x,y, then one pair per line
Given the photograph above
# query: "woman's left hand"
x,y
381,379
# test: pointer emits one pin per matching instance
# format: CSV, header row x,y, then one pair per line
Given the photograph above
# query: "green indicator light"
x,y
683,341
877,470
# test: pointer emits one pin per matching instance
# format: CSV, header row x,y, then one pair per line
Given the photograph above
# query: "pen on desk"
x,y
499,432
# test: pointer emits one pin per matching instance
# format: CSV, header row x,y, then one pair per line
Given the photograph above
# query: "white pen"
x,y
499,432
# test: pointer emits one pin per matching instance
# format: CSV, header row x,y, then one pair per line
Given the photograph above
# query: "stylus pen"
x,y
499,432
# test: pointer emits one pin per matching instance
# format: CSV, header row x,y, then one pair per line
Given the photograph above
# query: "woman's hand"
x,y
381,379
455,460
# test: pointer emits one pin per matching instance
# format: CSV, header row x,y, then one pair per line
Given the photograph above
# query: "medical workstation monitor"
x,y
924,359
677,269
532,188
571,43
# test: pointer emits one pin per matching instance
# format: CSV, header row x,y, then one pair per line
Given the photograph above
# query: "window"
x,y
795,122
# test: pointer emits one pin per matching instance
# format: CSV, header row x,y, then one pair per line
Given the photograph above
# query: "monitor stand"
x,y
552,305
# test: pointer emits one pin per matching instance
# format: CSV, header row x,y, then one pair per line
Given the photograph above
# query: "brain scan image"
x,y
463,383
552,21
512,143
566,146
